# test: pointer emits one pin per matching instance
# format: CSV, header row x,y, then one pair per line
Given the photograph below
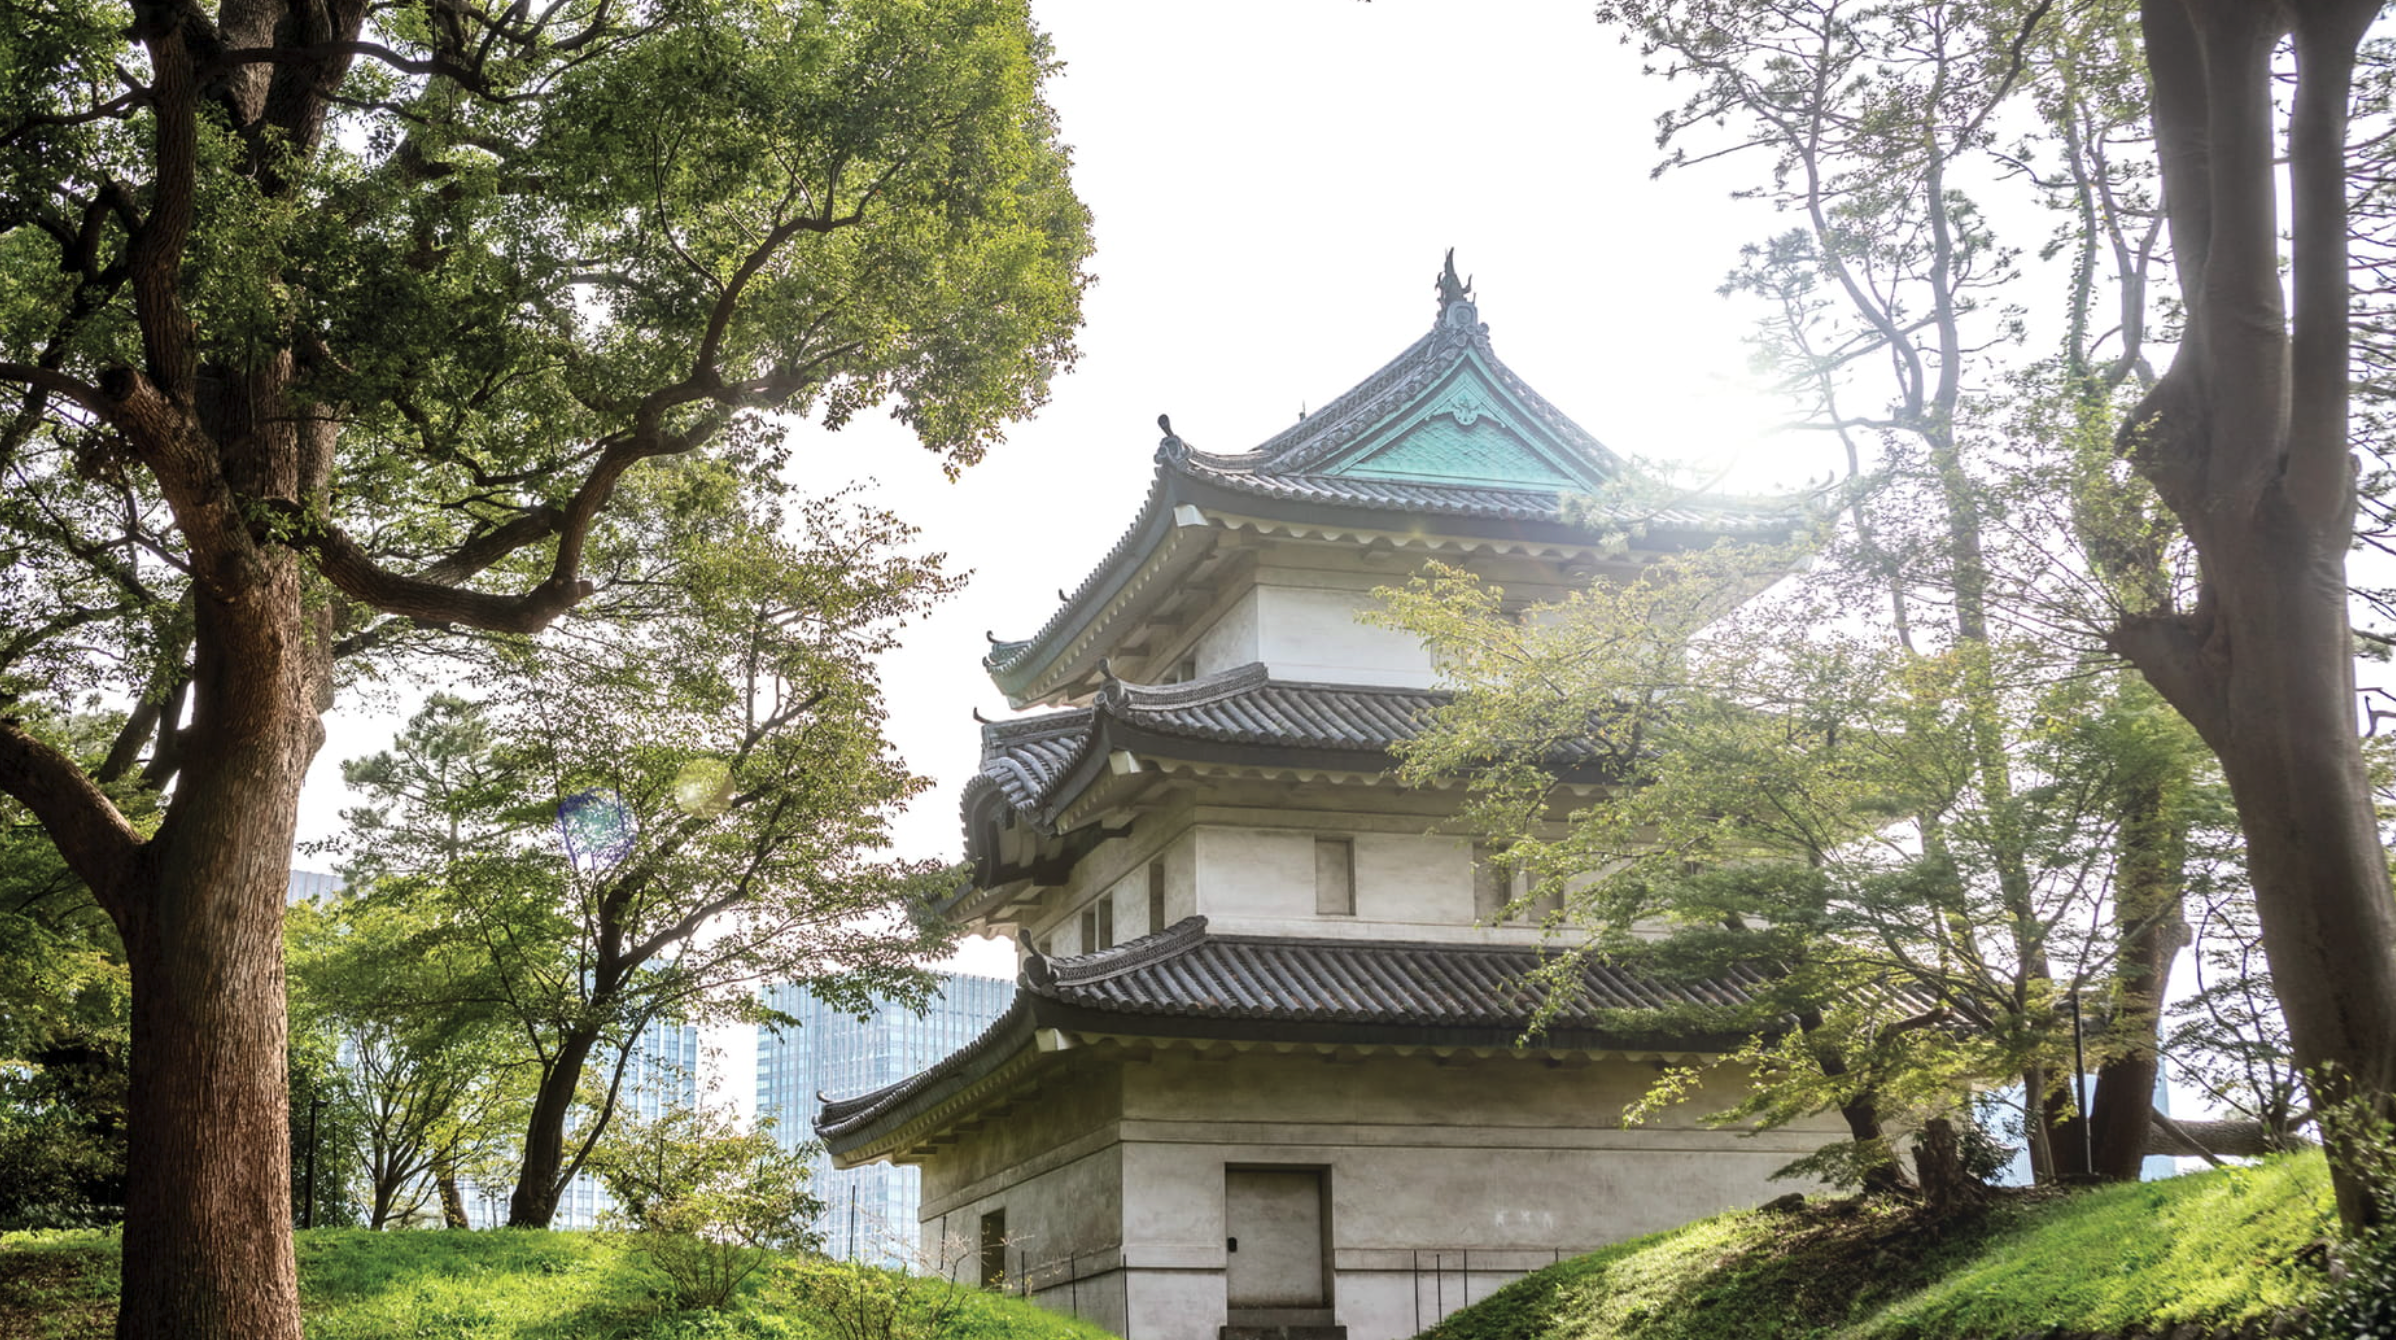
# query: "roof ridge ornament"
x,y
1459,314
1451,289
1171,448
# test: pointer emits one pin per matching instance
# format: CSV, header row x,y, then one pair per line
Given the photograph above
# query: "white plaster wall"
x,y
1312,633
1413,879
1410,885
1255,872
1063,1221
1119,869
1231,642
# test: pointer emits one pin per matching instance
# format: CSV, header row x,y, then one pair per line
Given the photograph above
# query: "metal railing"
x,y
1447,1267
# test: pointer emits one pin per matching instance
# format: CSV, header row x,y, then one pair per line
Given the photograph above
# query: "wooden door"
x,y
1274,1221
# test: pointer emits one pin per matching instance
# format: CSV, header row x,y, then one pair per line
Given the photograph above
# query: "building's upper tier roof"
x,y
1444,441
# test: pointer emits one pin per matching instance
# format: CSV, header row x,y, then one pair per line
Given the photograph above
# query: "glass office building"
x,y
870,1211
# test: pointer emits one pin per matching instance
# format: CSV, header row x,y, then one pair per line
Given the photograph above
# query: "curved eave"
x,y
866,1127
920,1110
1191,506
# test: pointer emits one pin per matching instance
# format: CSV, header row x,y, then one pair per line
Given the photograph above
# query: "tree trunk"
x,y
1938,1164
453,1205
207,1247
2149,931
1861,1113
2246,438
534,1203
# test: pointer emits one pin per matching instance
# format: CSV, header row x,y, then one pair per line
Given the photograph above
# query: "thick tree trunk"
x,y
2319,872
207,1248
2246,438
534,1203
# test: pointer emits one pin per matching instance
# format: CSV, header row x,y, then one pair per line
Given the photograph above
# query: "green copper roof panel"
x,y
1447,451
1467,430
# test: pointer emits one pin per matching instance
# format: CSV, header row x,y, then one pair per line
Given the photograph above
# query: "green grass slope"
x,y
2218,1249
506,1285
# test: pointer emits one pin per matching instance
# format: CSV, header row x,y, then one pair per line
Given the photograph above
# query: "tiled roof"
x,y
1185,972
1183,981
1301,468
1023,759
1028,760
926,1088
1502,504
1246,706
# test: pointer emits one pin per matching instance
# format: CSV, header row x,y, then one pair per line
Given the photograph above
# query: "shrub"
x,y
852,1301
710,1203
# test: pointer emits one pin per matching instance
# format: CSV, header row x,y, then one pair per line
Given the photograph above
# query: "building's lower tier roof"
x,y
1186,982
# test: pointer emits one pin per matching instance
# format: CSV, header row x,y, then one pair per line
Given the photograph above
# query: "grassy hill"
x,y
507,1285
2219,1250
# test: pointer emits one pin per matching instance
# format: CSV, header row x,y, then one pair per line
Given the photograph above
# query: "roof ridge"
x,y
1047,723
1297,440
1005,652
1189,692
1333,686
1362,942
1104,964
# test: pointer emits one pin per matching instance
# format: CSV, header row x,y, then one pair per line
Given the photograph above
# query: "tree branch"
x,y
89,831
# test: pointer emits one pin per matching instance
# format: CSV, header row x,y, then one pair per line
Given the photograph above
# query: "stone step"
x,y
1283,1333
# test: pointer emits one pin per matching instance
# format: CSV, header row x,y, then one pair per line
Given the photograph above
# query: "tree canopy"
x,y
339,334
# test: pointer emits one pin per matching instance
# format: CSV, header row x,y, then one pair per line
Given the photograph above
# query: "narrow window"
x,y
994,1249
1089,944
1156,896
1334,877
1106,921
1491,887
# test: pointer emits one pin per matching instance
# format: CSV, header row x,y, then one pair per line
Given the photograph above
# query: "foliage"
x,y
710,1201
726,721
64,1030
340,336
404,1097
1811,819
325,1127
2220,1249
855,1301
2361,1299
1880,131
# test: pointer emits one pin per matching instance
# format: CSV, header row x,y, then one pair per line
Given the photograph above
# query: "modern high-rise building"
x,y
870,1211
310,885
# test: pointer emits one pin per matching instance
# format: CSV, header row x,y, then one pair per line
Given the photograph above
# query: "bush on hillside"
x,y
852,1301
710,1203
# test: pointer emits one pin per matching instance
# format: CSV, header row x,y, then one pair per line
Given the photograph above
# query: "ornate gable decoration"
x,y
1465,429
1444,412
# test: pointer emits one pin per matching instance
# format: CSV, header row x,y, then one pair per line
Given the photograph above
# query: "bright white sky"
x,y
1274,184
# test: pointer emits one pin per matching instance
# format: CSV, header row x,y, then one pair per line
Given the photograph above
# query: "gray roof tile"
x,y
1247,983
